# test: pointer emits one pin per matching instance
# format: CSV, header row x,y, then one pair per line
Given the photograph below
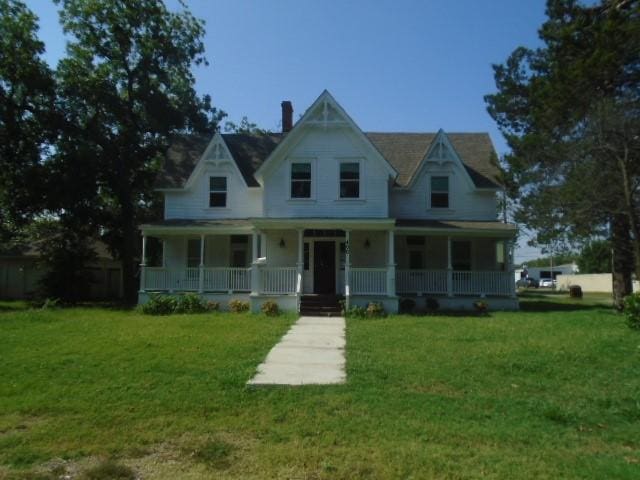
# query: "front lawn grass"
x,y
548,392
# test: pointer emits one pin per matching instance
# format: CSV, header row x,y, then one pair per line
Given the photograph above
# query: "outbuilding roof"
x,y
404,151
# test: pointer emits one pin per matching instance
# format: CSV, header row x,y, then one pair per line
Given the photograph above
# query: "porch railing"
x,y
225,279
421,281
478,283
278,279
462,282
184,279
368,281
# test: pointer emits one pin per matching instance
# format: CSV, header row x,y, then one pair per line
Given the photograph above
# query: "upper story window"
x,y
300,180
217,191
350,180
439,192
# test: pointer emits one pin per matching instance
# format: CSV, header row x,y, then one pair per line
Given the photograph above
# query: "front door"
x,y
324,267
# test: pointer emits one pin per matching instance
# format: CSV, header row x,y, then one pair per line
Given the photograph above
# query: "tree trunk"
x,y
623,263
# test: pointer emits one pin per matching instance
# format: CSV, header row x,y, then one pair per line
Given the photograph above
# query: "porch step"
x,y
320,305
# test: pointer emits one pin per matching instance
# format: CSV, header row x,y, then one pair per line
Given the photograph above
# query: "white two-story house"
x,y
324,208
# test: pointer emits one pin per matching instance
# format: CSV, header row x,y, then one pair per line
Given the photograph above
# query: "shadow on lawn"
x,y
550,306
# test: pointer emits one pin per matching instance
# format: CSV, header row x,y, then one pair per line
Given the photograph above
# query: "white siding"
x,y
242,202
465,203
325,149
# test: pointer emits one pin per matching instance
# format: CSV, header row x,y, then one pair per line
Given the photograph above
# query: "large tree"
x,y
125,88
569,111
27,123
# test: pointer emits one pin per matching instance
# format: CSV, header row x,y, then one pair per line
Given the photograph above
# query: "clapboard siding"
x,y
325,149
193,203
466,203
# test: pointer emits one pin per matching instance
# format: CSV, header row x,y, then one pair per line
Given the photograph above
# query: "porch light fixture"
x,y
367,243
282,243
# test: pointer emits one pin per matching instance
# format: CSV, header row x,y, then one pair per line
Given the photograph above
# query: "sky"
x,y
402,66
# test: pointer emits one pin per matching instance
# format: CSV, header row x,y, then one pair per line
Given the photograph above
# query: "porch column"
x,y
143,264
255,273
263,244
509,247
300,263
449,269
391,265
201,270
347,268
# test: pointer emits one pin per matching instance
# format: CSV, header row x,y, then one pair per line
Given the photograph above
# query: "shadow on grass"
x,y
550,306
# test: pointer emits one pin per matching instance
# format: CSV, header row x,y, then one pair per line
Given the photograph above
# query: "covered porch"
x,y
361,260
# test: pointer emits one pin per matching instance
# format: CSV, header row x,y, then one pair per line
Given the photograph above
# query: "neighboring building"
x,y
540,273
324,208
20,274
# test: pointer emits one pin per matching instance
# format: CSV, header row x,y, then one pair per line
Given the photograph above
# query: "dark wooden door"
x,y
324,267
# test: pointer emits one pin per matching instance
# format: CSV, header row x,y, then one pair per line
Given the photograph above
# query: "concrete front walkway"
x,y
311,353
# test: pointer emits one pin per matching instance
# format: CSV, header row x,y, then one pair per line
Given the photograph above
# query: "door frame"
x,y
309,284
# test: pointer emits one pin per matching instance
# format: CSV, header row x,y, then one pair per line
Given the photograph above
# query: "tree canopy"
x,y
569,111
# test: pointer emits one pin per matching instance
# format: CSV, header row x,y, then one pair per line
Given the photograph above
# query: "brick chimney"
x,y
287,116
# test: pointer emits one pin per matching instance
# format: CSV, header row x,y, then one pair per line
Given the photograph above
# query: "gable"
x,y
407,151
247,151
323,115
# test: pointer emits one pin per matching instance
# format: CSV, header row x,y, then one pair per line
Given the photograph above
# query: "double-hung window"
x,y
439,192
349,180
217,191
461,255
300,180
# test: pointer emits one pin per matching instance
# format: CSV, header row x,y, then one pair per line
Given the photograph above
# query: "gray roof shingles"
x,y
404,151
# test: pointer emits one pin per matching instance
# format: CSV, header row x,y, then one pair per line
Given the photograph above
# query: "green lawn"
x,y
552,391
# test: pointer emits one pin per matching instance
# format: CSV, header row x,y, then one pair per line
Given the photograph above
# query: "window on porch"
x,y
300,180
461,255
193,253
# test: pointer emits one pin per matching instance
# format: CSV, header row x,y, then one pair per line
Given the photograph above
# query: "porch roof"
x,y
322,223
456,227
189,226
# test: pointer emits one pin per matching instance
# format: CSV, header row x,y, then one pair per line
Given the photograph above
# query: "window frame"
x,y
310,181
440,192
213,191
356,161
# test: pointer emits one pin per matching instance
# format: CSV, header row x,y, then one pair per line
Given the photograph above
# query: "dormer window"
x,y
300,180
349,180
217,191
439,192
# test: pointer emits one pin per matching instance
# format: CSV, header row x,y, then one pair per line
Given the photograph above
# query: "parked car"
x,y
547,282
528,282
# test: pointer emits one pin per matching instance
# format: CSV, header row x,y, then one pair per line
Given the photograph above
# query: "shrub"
x,y
213,306
575,291
356,312
407,305
375,310
481,307
432,304
159,305
190,303
238,306
270,308
632,310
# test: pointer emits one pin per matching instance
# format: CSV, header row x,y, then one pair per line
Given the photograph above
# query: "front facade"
x,y
326,209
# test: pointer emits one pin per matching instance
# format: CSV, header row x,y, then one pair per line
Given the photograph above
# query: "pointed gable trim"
x,y
329,116
217,153
440,151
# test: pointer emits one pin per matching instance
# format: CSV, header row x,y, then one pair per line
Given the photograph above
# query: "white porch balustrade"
x,y
183,279
225,279
276,280
463,282
368,281
478,283
421,281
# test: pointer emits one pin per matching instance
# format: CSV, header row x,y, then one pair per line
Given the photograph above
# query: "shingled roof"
x,y
404,151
